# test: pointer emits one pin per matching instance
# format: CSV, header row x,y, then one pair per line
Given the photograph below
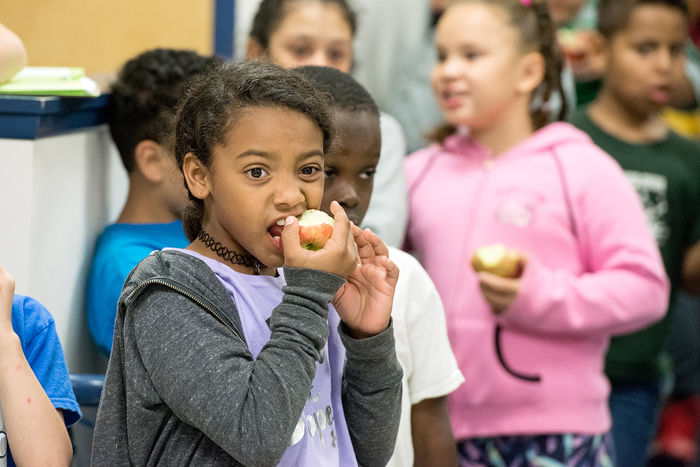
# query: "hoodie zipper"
x,y
465,255
192,297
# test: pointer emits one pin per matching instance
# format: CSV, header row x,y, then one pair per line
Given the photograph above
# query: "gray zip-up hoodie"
x,y
182,387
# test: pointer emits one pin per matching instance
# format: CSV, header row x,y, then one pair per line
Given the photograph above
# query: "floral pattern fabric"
x,y
568,450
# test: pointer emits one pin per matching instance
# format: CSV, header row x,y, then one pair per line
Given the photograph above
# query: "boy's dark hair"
x,y
345,92
272,12
537,33
613,15
216,99
144,97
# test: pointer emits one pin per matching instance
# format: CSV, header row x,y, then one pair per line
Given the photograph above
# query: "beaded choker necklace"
x,y
229,255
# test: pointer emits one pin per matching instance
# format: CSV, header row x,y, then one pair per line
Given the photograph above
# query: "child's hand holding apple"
x,y
321,243
499,270
364,302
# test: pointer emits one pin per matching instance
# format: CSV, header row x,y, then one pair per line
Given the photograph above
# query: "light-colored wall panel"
x,y
64,189
101,34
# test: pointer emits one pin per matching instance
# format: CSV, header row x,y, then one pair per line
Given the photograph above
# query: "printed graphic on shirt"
x,y
318,424
653,190
317,419
517,208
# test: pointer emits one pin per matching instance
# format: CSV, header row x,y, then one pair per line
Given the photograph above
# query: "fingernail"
x,y
289,220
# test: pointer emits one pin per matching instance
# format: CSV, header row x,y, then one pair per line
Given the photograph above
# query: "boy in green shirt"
x,y
644,52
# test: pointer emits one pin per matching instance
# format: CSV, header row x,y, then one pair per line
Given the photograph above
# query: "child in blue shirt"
x,y
36,398
141,105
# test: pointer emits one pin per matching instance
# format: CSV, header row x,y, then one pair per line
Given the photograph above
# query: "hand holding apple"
x,y
499,260
572,43
499,269
583,50
338,254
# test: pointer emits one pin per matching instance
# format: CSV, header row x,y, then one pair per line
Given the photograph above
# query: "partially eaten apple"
x,y
497,259
315,228
573,43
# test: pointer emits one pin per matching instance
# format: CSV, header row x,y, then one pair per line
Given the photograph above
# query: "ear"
x,y
196,176
149,158
531,72
253,50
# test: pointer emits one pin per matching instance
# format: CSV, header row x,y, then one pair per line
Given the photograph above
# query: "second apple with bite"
x,y
499,260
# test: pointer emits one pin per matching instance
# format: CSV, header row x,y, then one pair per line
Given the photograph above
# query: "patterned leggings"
x,y
568,450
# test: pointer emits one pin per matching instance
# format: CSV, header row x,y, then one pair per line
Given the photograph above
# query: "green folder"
x,y
51,81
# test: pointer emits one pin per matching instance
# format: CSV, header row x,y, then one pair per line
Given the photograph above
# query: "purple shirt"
x,y
321,436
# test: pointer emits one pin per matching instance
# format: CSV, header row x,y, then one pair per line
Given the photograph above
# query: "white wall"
x,y
58,193
245,11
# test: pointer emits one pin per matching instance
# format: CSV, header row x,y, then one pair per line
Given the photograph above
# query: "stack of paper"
x,y
51,81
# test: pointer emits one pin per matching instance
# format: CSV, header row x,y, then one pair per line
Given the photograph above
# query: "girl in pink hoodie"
x,y
531,347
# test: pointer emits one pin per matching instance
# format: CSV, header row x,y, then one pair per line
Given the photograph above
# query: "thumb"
x,y
290,236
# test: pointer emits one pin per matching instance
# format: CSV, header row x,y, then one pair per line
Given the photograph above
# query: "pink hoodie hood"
x,y
593,270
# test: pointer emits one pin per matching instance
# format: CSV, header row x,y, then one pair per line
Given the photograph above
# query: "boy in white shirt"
x,y
422,347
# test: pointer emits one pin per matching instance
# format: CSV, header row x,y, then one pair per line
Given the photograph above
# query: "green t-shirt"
x,y
586,91
666,175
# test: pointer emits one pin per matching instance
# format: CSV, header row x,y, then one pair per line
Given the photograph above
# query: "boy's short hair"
x,y
345,92
143,99
613,15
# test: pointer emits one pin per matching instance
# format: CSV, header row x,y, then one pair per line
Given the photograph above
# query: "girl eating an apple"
x,y
227,352
576,259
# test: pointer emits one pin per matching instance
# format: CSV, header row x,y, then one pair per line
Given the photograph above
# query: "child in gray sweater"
x,y
227,352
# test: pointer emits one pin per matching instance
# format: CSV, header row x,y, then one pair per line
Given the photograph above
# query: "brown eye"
x,y
644,48
677,49
368,174
336,55
256,173
301,51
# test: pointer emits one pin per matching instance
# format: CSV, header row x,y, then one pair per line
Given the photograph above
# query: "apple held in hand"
x,y
497,259
315,228
572,43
